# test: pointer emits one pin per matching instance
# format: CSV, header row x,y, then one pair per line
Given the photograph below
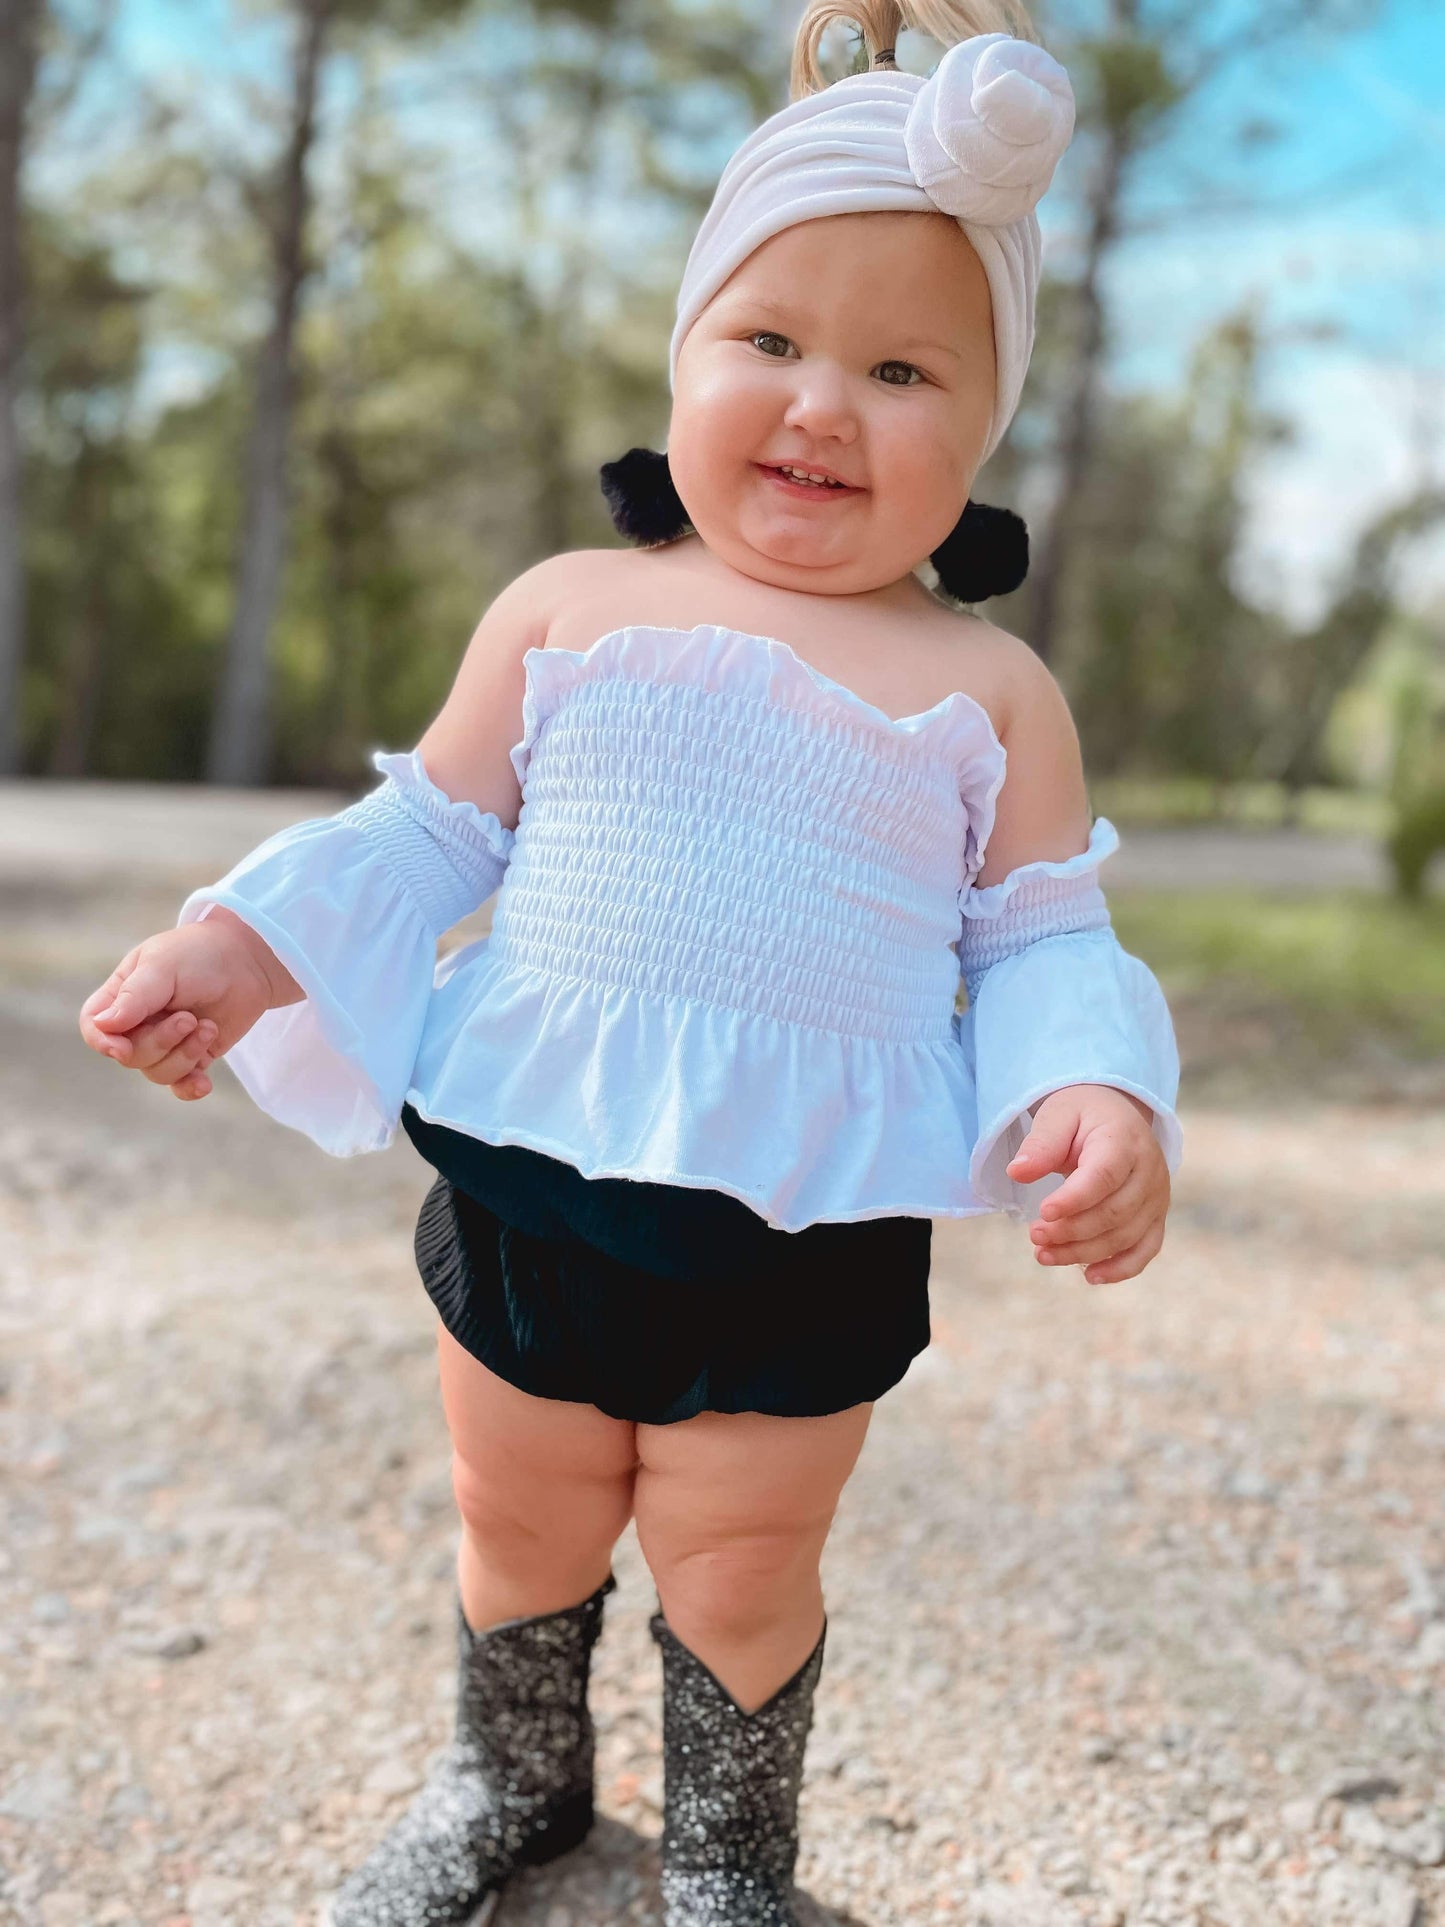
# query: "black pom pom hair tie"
x,y
986,553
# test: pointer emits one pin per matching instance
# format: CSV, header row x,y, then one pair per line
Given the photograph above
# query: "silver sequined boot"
x,y
514,1788
731,1782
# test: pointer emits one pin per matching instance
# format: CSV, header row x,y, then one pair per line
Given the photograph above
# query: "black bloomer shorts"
x,y
654,1302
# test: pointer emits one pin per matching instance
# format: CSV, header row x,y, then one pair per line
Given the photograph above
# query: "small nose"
x,y
821,404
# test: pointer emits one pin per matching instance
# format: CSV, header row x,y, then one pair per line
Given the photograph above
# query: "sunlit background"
x,y
324,316
316,322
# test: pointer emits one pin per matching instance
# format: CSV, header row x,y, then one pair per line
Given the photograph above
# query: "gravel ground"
x,y
1137,1598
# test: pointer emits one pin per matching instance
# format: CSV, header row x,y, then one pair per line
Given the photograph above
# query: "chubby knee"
x,y
488,1506
736,1589
519,1526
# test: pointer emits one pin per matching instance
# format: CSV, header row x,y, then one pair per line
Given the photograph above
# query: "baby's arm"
x,y
323,938
353,905
1071,1034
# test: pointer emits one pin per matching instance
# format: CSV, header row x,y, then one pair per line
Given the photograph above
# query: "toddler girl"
x,y
752,798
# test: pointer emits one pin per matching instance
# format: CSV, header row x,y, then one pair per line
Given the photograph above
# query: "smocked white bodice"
x,y
687,833
721,952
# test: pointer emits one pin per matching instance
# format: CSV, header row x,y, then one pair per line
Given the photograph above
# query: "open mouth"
x,y
802,481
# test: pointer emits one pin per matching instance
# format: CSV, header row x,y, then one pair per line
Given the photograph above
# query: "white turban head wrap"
x,y
979,139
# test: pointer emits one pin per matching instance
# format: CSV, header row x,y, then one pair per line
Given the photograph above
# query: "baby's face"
x,y
860,345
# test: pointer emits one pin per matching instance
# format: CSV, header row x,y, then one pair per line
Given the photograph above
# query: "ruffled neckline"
x,y
957,728
650,648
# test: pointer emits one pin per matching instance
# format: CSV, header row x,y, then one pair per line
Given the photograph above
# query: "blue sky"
x,y
1346,227
1358,241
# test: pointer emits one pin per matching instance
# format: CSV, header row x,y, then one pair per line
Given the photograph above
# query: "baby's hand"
x,y
1109,1215
183,998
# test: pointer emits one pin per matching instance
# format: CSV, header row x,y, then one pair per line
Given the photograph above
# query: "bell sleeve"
x,y
1054,1000
353,905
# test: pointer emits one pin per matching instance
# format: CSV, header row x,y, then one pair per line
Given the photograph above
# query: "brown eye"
x,y
908,369
767,335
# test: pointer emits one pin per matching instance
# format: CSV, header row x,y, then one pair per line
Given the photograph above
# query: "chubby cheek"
x,y
715,436
919,489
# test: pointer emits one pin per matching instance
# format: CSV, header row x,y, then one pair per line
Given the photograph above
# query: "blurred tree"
x,y
1171,668
19,59
573,94
457,408
1168,663
450,404
1222,648
482,325
1133,83
239,731
84,367
45,54
1417,711
118,673
1323,661
1417,757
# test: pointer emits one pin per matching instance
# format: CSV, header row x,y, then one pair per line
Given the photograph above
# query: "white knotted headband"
x,y
979,139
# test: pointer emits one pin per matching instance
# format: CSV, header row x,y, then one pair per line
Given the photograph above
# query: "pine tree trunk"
x,y
1081,394
240,729
19,53
83,667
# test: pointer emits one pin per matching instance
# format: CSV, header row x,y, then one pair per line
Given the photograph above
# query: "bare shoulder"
x,y
466,749
532,601
584,572
1043,809
525,613
1025,695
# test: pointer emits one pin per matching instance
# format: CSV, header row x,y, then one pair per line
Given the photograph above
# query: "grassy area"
x,y
1143,800
1337,963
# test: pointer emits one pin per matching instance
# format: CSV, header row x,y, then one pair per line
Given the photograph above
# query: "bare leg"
x,y
732,1512
544,1489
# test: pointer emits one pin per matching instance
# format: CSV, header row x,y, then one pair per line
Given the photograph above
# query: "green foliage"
x,y
452,405
1129,79
476,338
1418,838
1154,800
1342,963
1170,667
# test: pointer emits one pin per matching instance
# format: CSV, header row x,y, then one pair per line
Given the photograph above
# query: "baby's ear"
x,y
646,508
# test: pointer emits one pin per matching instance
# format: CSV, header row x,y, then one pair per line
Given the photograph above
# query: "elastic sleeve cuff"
x,y
1074,1009
1033,882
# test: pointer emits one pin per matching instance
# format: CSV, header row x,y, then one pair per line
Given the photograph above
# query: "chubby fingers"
x,y
1056,1228
1106,1162
100,999
194,1084
166,1047
1129,1262
1049,1146
1112,1240
174,1047
1105,1244
184,1068
137,988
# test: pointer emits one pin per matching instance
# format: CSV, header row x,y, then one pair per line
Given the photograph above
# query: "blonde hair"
x,y
881,21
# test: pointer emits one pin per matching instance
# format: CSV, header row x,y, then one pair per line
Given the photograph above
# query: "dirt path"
x,y
1137,1599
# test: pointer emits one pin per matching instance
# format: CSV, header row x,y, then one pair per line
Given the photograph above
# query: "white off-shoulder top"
x,y
723,953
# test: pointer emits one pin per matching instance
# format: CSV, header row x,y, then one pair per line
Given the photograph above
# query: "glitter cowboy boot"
x,y
514,1788
731,1782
